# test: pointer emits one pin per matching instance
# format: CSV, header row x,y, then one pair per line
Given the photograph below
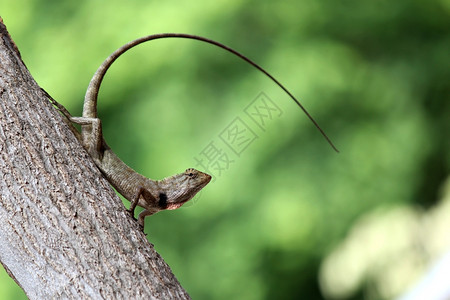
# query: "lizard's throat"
x,y
172,206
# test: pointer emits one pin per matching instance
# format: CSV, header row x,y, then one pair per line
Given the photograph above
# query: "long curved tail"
x,y
90,100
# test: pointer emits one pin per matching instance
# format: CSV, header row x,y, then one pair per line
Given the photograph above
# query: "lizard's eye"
x,y
190,172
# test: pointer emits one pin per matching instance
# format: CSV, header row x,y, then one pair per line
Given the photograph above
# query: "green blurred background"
x,y
374,74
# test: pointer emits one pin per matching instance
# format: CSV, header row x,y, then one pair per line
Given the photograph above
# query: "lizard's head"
x,y
181,188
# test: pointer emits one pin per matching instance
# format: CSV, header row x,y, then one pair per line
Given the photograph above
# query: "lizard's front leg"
x,y
142,216
135,201
148,198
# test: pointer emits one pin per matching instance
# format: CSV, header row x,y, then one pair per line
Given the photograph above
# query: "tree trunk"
x,y
64,233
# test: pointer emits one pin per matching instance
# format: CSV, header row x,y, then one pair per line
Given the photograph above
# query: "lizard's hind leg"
x,y
92,138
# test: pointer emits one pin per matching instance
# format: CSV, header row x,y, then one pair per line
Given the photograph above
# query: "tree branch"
x,y
64,233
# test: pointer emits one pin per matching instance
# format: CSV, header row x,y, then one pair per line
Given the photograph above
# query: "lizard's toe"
x,y
131,213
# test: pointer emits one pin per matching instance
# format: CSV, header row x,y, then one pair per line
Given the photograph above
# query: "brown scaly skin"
x,y
153,196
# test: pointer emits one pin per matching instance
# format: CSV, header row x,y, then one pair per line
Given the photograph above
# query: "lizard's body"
x,y
153,196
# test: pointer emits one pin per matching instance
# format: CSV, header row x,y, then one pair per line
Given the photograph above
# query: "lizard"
x,y
153,195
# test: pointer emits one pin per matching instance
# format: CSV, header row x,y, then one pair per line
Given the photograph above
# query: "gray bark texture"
x,y
64,233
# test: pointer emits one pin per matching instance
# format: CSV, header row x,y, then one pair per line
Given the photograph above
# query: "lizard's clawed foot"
x,y
142,229
131,212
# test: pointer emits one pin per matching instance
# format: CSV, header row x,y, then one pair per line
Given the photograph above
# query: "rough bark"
x,y
64,233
